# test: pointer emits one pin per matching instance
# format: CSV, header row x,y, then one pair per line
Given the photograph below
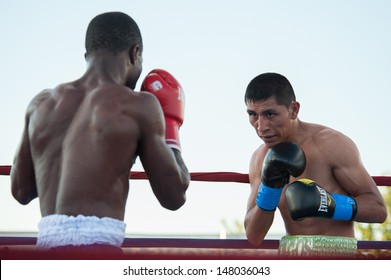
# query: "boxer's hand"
x,y
171,97
305,198
282,161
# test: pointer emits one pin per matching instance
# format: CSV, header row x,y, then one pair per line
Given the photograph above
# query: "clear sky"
x,y
337,55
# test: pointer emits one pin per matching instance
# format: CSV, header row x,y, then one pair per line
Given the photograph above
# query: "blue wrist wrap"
x,y
268,197
343,207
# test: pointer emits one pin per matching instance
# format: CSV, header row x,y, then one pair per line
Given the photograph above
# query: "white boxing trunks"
x,y
62,230
317,246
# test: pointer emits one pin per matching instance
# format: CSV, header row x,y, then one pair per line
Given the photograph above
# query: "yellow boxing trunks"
x,y
317,246
62,230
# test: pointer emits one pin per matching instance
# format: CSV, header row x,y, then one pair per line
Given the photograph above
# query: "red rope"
x,y
5,169
212,176
204,176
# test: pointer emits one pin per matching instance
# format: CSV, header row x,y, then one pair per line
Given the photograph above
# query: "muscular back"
x,y
83,142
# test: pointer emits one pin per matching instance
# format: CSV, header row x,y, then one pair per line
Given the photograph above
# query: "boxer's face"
x,y
271,121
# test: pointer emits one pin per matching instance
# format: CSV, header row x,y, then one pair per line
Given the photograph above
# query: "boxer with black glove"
x,y
282,161
171,97
305,198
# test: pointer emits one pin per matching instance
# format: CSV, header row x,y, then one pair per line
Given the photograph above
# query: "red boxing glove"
x,y
171,97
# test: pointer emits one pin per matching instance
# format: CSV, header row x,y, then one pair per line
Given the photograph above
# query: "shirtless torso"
x,y
333,161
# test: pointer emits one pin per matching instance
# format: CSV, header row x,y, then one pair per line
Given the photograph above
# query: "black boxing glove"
x,y
282,161
305,198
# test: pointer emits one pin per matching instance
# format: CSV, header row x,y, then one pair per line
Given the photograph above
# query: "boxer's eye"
x,y
269,114
251,114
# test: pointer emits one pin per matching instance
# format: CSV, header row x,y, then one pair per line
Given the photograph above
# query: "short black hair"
x,y
267,85
113,32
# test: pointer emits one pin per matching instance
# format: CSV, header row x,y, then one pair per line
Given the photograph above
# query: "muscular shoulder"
x,y
333,144
149,99
330,138
42,99
150,113
50,97
149,105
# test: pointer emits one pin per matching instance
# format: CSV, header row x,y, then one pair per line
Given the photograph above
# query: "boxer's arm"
x,y
277,165
165,168
23,184
351,174
257,222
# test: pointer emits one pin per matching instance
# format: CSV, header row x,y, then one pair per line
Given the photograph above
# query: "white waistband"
x,y
61,230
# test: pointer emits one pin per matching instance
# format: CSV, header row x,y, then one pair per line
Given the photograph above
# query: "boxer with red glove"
x,y
171,97
305,198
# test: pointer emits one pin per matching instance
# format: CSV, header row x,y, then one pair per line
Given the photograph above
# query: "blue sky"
x,y
335,53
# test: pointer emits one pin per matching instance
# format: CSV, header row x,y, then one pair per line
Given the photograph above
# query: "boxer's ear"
x,y
135,53
294,109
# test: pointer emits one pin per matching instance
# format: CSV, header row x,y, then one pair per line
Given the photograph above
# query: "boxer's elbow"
x,y
379,214
174,204
254,239
253,236
382,214
177,197
21,196
23,188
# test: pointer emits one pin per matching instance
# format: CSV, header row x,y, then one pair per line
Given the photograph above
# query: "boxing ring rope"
x,y
200,248
232,177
